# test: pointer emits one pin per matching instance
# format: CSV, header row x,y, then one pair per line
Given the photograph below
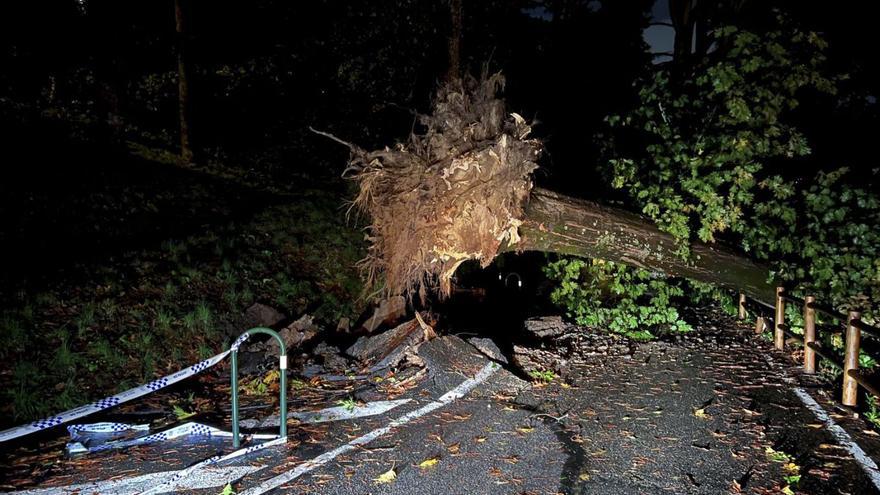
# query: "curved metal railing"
x,y
282,365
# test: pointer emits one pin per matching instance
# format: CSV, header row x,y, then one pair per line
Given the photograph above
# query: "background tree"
x,y
186,152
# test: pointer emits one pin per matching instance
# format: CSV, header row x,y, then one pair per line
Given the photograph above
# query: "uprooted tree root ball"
x,y
451,193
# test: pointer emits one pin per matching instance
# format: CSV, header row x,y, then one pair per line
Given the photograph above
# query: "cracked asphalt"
x,y
711,413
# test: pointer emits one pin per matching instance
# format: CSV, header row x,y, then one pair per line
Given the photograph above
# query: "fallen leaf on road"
x,y
429,463
386,477
701,413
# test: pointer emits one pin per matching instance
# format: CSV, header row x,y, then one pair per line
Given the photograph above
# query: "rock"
x,y
311,370
488,347
260,315
331,357
545,326
388,311
344,325
536,360
299,332
390,347
295,335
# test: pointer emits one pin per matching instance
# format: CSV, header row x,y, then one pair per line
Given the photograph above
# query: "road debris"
x,y
337,413
387,312
389,348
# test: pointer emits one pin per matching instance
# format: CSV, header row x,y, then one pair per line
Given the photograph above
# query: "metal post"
x,y
282,364
742,306
809,334
778,334
851,359
236,441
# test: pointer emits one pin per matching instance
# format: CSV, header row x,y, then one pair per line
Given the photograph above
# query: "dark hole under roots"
x,y
494,302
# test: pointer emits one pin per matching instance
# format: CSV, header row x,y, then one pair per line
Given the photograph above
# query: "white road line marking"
x,y
212,477
338,413
458,392
865,462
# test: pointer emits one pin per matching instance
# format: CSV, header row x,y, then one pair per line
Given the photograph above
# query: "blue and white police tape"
x,y
108,429
181,475
95,441
115,400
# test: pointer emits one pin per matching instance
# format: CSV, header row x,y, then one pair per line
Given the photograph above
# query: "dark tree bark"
x,y
561,224
455,40
103,16
684,20
186,152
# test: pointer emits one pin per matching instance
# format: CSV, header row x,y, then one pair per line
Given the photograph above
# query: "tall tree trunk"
x,y
186,152
455,40
561,224
103,17
683,20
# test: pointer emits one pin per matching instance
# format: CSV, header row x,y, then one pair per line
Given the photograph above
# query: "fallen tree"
x,y
556,223
462,190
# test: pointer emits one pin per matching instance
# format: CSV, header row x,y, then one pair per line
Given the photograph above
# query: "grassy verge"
x,y
150,311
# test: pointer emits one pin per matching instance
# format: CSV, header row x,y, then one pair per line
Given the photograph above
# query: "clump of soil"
x,y
454,191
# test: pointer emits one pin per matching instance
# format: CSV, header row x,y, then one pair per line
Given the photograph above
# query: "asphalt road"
x,y
704,415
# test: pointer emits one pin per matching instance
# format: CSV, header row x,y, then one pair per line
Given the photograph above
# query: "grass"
x,y
13,336
163,308
85,319
26,401
164,321
204,318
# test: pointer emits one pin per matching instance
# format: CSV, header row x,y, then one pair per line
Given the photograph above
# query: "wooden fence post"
x,y
742,306
778,334
809,334
760,325
851,359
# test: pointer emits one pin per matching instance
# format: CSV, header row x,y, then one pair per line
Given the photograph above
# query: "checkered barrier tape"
x,y
84,443
115,400
181,475
104,429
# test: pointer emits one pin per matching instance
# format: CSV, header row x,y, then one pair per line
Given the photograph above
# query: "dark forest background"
x,y
116,248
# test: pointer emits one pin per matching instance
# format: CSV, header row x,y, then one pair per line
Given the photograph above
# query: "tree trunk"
x,y
683,19
454,41
186,152
104,25
565,225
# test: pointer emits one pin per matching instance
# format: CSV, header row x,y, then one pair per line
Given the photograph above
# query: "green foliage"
x,y
709,165
872,412
613,296
349,404
709,137
180,413
837,235
703,170
545,376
